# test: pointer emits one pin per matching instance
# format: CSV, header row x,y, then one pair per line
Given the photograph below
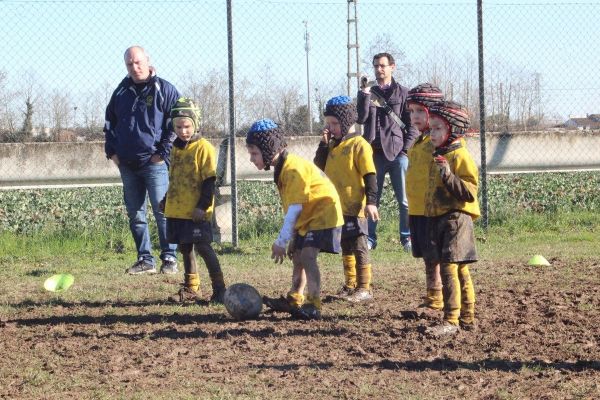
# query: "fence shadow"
x,y
449,365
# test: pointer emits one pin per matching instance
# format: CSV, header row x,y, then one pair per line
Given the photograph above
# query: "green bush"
x,y
533,198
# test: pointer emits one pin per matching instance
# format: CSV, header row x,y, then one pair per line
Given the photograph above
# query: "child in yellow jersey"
x,y
312,222
451,204
189,202
347,159
420,162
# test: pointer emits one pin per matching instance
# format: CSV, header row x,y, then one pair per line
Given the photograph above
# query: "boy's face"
x,y
439,130
419,117
256,157
333,126
184,128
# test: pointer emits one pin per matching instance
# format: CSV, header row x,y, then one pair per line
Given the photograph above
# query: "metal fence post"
x,y
484,192
234,202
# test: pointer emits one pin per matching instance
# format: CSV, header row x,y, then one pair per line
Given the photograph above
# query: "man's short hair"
x,y
388,55
126,54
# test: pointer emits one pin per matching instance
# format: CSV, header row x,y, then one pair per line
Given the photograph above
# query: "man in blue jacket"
x,y
383,111
138,141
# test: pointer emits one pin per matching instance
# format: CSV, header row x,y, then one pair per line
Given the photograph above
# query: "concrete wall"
x,y
34,164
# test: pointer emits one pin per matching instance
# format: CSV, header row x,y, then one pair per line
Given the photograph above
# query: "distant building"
x,y
590,122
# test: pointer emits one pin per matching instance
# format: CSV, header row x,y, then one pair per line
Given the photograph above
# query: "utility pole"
x,y
308,100
353,45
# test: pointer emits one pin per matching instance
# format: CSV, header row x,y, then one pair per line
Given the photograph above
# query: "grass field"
x,y
115,336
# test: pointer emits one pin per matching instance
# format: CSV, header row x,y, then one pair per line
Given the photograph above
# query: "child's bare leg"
x,y
296,294
433,278
308,258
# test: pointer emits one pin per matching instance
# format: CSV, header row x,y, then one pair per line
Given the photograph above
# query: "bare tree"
x,y
383,43
7,115
210,93
59,111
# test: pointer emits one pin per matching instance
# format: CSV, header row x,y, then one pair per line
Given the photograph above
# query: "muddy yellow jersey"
x,y
301,182
439,200
420,161
190,166
347,164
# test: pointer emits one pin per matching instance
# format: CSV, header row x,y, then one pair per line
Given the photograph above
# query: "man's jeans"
x,y
151,179
397,170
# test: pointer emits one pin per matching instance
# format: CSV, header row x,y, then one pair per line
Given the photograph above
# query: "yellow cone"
x,y
538,260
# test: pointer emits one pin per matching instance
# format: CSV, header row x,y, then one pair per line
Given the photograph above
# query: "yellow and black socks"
x,y
467,310
364,277
452,292
295,299
349,263
435,299
192,281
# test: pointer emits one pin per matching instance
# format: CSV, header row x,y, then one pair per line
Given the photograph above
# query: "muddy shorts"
x,y
451,239
419,234
354,226
184,231
327,240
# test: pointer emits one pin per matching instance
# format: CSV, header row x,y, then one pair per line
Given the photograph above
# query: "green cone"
x,y
538,260
59,283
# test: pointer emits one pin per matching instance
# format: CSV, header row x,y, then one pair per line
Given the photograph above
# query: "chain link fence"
x,y
61,60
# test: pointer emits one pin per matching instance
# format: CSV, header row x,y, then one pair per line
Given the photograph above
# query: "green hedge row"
x,y
90,209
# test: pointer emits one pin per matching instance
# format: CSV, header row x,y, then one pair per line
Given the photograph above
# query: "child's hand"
x,y
442,164
198,215
326,136
291,249
277,253
161,205
371,212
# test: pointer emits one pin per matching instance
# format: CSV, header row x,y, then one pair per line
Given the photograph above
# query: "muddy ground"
x,y
538,337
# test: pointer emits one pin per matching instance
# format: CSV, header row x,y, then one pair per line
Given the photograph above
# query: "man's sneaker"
x,y
280,304
360,296
407,246
141,266
169,266
444,329
185,295
344,292
306,313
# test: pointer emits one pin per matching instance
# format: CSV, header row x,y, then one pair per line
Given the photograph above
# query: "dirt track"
x,y
538,338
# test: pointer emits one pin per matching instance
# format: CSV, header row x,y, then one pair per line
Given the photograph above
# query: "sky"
x,y
78,45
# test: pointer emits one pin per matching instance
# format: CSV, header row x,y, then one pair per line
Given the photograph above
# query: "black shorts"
x,y
327,240
419,234
185,231
452,239
354,226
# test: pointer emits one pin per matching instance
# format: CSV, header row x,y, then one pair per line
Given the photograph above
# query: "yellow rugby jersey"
x,y
190,166
302,182
420,160
346,165
439,200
